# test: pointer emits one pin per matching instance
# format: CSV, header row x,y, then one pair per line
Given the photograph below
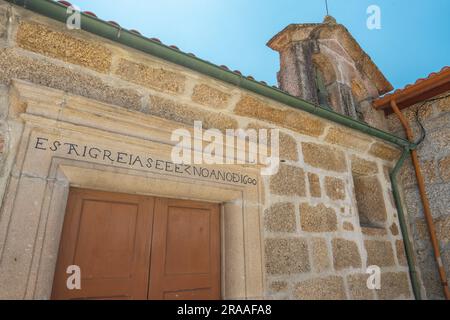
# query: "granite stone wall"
x,y
434,156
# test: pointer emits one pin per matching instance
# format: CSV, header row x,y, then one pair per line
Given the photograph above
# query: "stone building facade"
x,y
308,232
434,155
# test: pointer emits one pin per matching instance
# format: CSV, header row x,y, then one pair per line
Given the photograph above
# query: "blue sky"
x,y
414,39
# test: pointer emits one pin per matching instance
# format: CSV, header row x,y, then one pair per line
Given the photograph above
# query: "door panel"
x,y
118,226
185,260
108,236
137,247
188,230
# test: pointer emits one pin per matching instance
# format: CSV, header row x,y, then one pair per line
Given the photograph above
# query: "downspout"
x,y
403,225
425,201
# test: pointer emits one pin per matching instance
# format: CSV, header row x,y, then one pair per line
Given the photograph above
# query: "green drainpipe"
x,y
106,30
403,225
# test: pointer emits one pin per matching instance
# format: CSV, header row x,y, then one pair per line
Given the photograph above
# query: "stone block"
x,y
345,254
317,218
357,285
289,181
394,286
379,253
363,167
288,147
320,256
175,111
305,124
295,120
314,185
384,151
335,188
64,46
329,288
286,256
41,72
210,97
374,232
252,107
154,77
324,157
220,121
280,218
348,139
401,256
370,200
394,229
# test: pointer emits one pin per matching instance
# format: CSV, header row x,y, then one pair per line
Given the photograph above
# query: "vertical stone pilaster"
x,y
297,75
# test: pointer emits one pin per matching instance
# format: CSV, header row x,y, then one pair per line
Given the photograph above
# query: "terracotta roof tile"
x,y
424,88
89,13
65,3
114,23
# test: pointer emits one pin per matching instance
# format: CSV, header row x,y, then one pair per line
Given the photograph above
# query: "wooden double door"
x,y
137,247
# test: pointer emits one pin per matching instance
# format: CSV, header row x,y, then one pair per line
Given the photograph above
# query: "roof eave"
x,y
421,91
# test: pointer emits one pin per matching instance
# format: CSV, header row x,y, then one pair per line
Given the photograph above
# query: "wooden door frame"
x,y
241,253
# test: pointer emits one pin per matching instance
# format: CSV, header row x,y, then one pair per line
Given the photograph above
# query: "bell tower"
x,y
322,63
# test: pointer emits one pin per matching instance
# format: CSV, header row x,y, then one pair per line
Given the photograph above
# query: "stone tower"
x,y
322,63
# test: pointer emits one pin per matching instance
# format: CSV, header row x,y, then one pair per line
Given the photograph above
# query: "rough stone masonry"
x,y
434,154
